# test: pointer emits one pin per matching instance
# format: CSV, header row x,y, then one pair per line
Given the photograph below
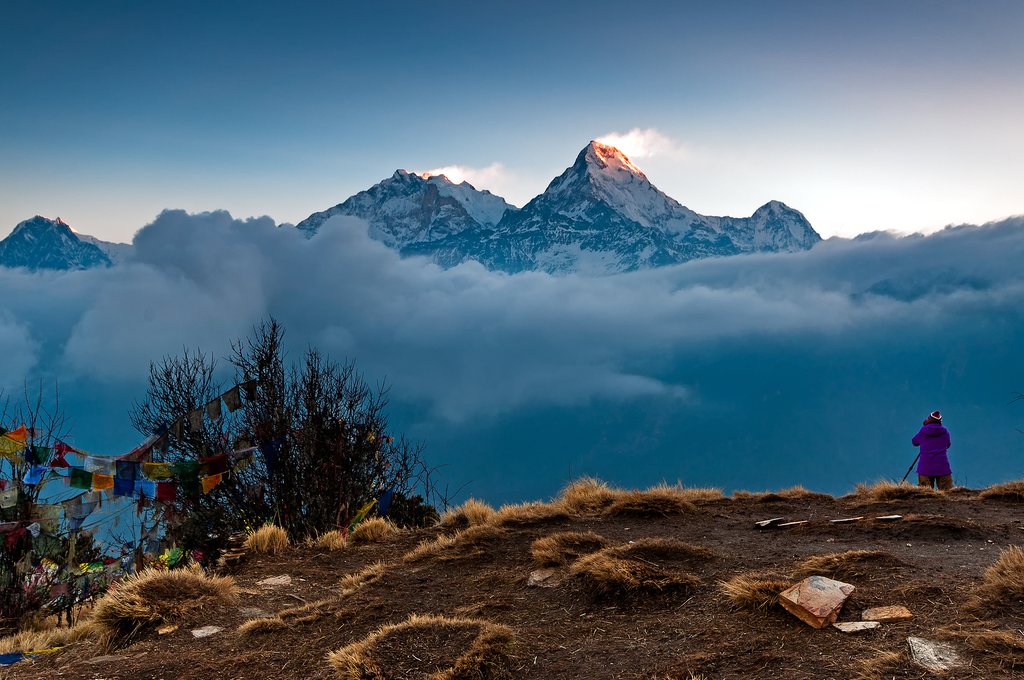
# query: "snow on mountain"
x,y
41,243
408,208
117,252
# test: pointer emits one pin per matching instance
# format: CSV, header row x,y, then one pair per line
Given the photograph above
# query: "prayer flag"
x,y
249,388
232,399
99,465
101,482
34,475
195,420
361,515
9,446
384,502
210,482
9,498
271,454
48,517
19,435
176,429
81,478
215,465
37,455
126,469
124,487
167,492
156,470
145,488
213,408
11,658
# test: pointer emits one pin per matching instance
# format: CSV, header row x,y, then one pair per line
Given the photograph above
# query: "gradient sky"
x,y
865,115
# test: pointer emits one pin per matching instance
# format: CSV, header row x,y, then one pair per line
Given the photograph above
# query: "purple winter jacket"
x,y
933,439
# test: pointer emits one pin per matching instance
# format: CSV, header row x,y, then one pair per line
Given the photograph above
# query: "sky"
x,y
746,372
865,116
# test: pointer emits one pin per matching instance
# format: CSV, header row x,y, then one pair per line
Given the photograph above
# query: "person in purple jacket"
x,y
933,468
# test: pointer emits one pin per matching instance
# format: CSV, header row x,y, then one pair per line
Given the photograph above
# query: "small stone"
x,y
792,524
887,614
935,656
283,580
167,628
856,626
816,600
544,578
768,522
889,518
206,631
845,520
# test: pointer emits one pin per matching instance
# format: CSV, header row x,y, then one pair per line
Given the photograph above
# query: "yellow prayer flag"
x,y
210,482
101,482
156,470
9,446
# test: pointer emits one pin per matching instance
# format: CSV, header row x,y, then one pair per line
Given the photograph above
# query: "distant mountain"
x,y
407,208
41,243
602,215
117,252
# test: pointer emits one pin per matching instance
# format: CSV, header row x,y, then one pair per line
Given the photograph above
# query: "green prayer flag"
x,y
81,479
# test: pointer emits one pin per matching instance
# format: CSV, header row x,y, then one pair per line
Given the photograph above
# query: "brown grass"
x,y
465,543
586,496
331,540
469,514
754,591
527,514
646,566
660,500
261,626
883,491
267,540
374,530
849,564
1003,583
408,649
562,548
152,596
1010,491
1006,646
793,493
362,578
32,640
882,665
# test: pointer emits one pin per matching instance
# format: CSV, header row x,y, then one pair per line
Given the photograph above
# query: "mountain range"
x,y
601,216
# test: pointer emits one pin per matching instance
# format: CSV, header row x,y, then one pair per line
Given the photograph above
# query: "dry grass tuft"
x,y
267,540
526,514
646,566
152,596
466,543
469,648
350,583
754,591
586,496
32,640
793,493
882,491
469,514
1010,491
374,530
1006,646
660,500
562,548
882,666
849,564
261,626
1003,584
331,540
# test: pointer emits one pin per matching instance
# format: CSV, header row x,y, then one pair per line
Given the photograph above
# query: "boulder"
x,y
816,600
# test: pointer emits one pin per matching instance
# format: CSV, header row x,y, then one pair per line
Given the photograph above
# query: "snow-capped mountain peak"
x,y
41,243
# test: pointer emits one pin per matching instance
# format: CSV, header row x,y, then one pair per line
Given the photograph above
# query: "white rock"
x,y
282,580
856,626
935,656
206,631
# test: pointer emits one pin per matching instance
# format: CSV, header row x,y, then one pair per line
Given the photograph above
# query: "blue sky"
x,y
863,115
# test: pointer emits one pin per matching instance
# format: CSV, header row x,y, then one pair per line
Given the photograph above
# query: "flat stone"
x,y
887,614
167,628
253,613
792,524
206,631
283,580
889,518
816,600
856,626
768,522
845,520
544,578
935,656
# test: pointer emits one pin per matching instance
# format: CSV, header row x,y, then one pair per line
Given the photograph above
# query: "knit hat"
x,y
936,416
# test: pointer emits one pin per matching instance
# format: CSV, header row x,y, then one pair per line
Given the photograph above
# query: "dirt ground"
x,y
935,559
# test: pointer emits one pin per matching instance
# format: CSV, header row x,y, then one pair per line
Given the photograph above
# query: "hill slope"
x,y
932,561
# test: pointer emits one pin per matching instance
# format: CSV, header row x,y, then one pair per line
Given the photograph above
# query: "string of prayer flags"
x,y
232,399
210,482
213,408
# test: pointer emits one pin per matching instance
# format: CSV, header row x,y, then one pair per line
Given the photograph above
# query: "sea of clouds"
x,y
755,371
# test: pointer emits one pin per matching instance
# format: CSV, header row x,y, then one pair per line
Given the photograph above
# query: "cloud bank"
x,y
752,371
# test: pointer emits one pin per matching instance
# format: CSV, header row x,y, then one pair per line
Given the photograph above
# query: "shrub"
x,y
267,540
471,513
331,540
373,530
586,496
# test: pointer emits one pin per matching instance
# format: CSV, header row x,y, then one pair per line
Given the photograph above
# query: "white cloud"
x,y
642,143
488,177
